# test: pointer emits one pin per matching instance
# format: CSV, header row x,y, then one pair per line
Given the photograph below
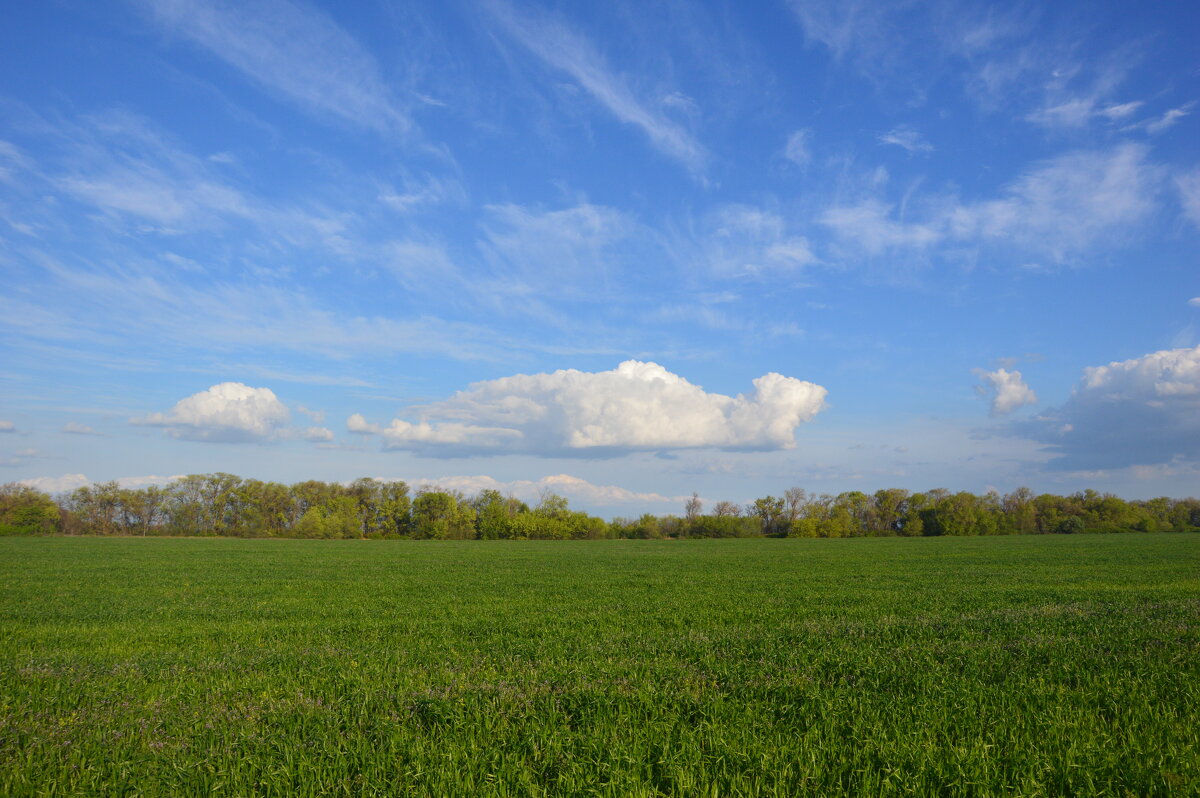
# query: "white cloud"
x,y
318,434
1075,112
1194,301
140,177
1189,194
145,300
912,46
143,481
293,50
225,413
1142,411
1065,204
317,416
69,482
636,406
565,50
75,428
576,244
743,240
421,265
63,484
7,426
1007,388
1168,119
846,26
566,485
1118,112
1057,209
869,225
904,136
798,149
357,424
11,161
421,193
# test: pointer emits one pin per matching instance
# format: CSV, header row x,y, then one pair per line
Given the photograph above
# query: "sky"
x,y
620,251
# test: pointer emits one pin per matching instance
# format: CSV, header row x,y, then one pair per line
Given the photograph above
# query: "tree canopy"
x,y
228,505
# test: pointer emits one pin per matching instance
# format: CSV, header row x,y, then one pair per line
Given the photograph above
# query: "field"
x,y
1058,665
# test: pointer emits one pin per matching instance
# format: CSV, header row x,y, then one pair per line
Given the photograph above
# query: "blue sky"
x,y
622,251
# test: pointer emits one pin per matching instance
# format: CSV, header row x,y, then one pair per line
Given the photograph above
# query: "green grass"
x,y
956,666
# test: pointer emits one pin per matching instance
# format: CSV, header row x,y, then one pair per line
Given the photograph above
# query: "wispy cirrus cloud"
x,y
749,241
1168,118
580,244
1188,186
798,149
567,51
907,139
123,173
292,50
1057,209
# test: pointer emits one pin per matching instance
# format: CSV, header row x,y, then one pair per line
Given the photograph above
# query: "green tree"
x,y
438,514
27,511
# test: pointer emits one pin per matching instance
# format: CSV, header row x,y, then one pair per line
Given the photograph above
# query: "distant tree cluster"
x,y
894,511
227,505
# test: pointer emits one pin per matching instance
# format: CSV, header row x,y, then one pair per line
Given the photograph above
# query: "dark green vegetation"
x,y
1039,665
227,505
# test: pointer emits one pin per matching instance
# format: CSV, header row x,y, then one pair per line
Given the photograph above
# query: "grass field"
x,y
1064,665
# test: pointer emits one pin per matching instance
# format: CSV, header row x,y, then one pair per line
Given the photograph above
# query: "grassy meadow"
x,y
1036,665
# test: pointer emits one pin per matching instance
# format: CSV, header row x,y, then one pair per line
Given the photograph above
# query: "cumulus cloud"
x,y
69,482
1007,389
7,426
1139,412
318,434
636,406
226,413
527,490
63,484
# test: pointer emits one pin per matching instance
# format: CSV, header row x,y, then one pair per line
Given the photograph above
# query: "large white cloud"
x,y
575,488
1138,412
1007,388
636,406
227,413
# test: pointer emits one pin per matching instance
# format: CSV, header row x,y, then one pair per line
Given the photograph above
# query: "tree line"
x,y
226,505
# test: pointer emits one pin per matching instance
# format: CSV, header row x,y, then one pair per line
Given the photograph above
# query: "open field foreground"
x,y
1041,665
